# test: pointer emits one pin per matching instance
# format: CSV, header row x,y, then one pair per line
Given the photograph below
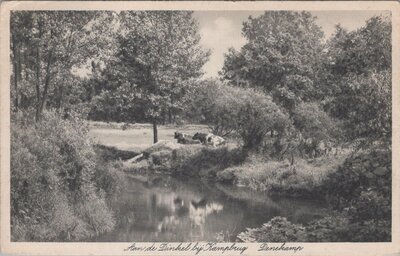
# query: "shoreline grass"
x,y
227,165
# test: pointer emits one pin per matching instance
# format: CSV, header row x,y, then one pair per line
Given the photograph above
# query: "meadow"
x,y
135,137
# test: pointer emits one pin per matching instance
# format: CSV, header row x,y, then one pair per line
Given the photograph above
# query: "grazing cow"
x,y
215,140
202,137
185,138
180,136
209,139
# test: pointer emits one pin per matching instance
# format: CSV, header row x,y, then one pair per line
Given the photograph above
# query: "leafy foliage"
x,y
365,106
362,50
278,229
312,122
358,174
282,50
158,54
46,48
53,193
358,72
248,112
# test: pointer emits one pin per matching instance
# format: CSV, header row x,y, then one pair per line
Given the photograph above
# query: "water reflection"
x,y
174,210
182,214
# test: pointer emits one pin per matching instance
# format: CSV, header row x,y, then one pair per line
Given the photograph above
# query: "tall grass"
x,y
203,161
303,179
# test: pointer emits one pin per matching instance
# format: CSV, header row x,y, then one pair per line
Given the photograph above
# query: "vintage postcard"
x,y
200,128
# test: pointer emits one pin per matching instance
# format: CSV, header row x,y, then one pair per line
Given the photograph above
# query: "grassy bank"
x,y
228,164
302,179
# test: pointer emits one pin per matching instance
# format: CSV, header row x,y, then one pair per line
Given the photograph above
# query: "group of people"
x,y
200,138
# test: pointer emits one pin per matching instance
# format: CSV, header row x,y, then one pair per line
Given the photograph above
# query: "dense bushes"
x,y
313,122
56,192
278,229
362,187
365,105
365,172
336,228
359,191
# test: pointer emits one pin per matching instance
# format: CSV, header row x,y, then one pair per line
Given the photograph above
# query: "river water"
x,y
164,209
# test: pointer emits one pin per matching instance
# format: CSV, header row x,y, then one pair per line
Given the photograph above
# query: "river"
x,y
165,209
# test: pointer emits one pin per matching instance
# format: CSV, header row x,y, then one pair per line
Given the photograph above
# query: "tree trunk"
x,y
169,116
46,84
155,135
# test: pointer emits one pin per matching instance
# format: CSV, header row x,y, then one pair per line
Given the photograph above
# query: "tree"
x,y
358,68
248,112
159,52
46,46
363,50
281,55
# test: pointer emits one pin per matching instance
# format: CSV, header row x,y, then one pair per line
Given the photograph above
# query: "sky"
x,y
220,30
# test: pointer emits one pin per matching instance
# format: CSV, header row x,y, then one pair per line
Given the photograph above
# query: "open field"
x,y
137,136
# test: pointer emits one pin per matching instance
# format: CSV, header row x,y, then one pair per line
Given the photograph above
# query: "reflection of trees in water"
x,y
179,212
171,213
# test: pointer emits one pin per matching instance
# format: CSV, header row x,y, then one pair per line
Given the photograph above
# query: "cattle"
x,y
202,137
215,140
209,139
185,138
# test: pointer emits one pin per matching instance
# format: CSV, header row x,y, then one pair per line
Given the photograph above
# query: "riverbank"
x,y
227,164
333,180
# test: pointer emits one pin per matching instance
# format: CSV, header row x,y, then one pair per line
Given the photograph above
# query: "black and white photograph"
x,y
213,126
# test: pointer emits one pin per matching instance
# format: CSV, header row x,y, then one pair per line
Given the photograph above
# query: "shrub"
x,y
370,205
366,170
278,229
199,160
370,231
53,171
109,179
313,122
204,105
329,229
336,228
248,112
